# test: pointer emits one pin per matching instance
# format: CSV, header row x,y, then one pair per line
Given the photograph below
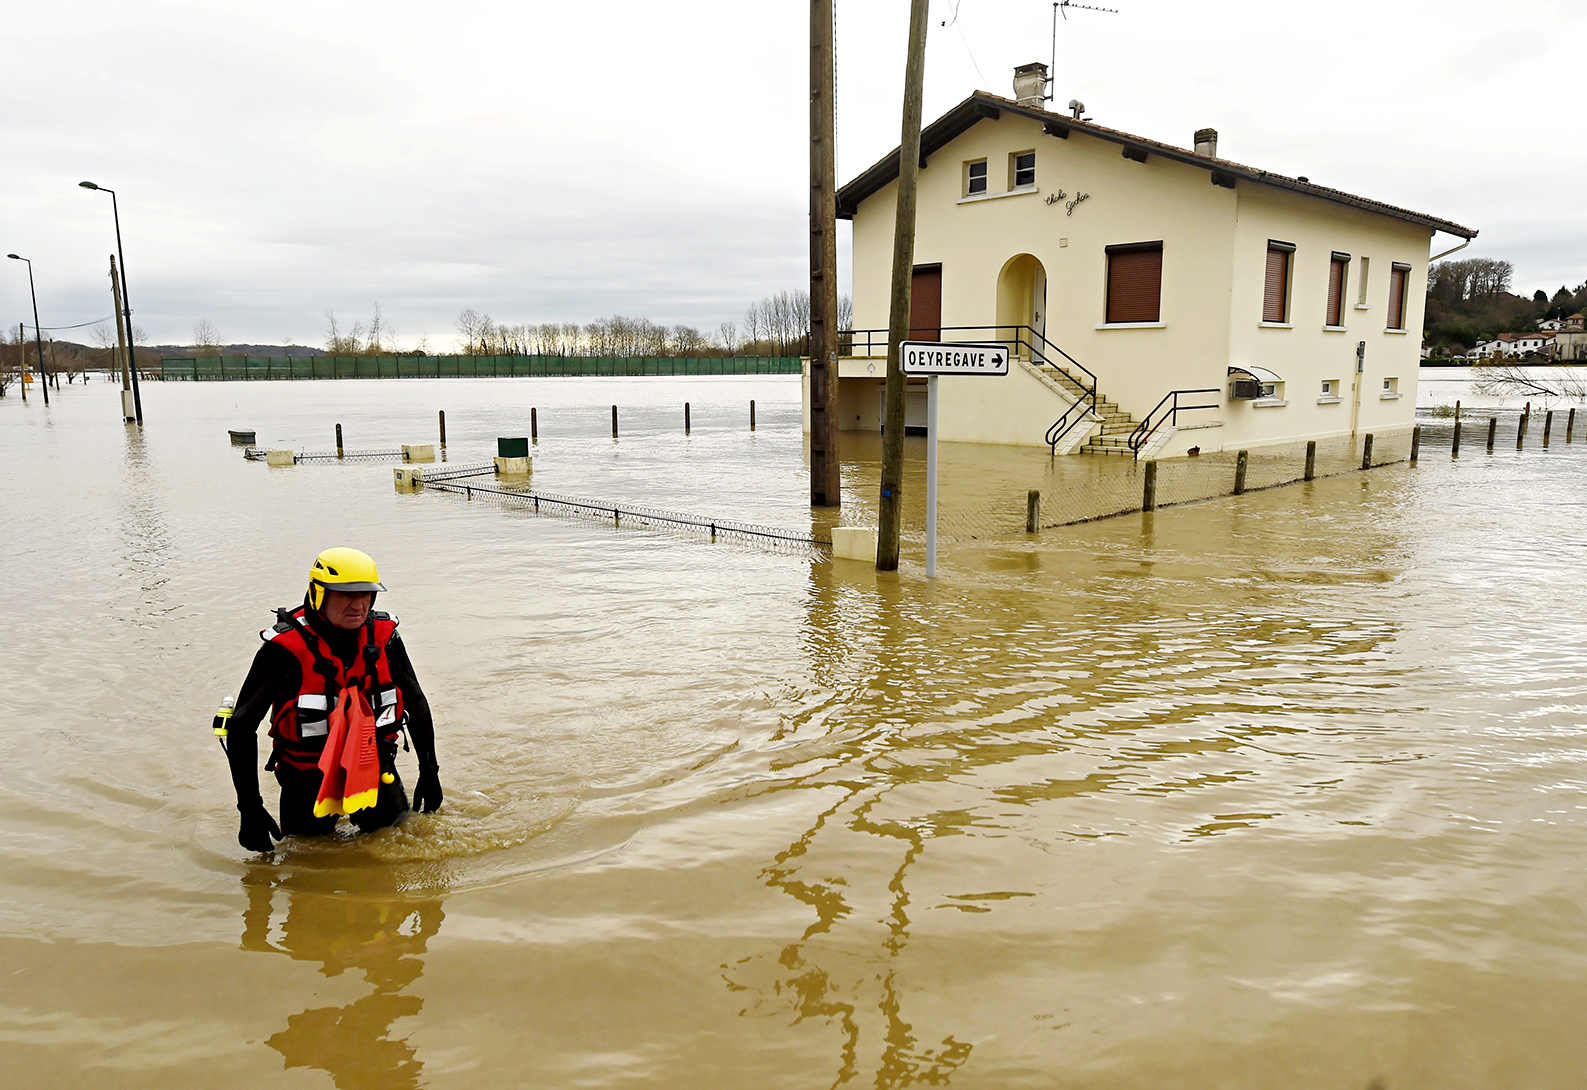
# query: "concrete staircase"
x,y
1116,423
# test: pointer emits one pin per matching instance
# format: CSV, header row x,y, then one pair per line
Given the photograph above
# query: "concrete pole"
x,y
825,489
1149,487
22,358
891,508
1311,460
121,326
1033,511
1241,460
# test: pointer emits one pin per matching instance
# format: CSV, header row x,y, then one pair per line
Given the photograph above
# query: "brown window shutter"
x,y
1397,296
925,303
1135,283
1336,289
1275,293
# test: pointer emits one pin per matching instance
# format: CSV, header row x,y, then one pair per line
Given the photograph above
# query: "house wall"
x,y
1214,253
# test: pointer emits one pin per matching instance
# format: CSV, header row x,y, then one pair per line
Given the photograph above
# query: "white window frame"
x,y
1013,169
970,178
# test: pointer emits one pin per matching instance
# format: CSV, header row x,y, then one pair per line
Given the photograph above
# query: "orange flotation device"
x,y
350,761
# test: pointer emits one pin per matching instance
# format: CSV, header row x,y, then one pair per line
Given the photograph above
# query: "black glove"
x,y
427,792
257,828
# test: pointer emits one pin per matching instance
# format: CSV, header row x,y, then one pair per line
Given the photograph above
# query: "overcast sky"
x,y
566,161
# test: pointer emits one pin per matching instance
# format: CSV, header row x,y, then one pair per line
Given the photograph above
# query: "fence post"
x,y
534,425
443,426
1416,436
752,414
1032,511
614,421
1570,425
338,440
1311,459
1548,426
1457,410
1240,462
1493,427
1366,451
685,418
1454,446
1149,487
1520,433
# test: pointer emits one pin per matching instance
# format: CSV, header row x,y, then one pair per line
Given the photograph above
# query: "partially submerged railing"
x,y
874,342
1166,411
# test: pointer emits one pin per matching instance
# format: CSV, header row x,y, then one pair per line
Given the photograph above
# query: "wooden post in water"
x,y
1520,433
1416,436
338,440
1548,426
1526,417
1366,451
534,425
751,414
1032,511
614,421
1311,459
1240,463
685,418
1149,487
1493,428
1454,446
1457,410
443,427
1570,425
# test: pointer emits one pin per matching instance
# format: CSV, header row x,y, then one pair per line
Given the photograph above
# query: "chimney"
x,y
1207,143
1030,84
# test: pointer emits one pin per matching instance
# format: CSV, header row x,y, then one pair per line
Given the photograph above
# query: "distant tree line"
x,y
1471,301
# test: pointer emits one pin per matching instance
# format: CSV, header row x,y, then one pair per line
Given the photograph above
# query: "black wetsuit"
x,y
274,680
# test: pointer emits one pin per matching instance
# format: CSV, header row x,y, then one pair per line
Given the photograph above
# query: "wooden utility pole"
x,y
121,327
824,464
903,272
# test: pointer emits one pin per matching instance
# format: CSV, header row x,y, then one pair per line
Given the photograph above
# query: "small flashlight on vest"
x,y
387,777
223,719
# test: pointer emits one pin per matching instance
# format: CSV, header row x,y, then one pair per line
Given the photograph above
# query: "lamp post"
x,y
38,336
126,304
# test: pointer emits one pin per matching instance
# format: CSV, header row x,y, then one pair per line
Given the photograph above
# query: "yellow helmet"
x,y
342,569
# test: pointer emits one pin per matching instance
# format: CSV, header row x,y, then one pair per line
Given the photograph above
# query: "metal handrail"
x,y
850,339
1148,427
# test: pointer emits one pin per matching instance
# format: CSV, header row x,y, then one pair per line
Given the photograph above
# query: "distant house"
x,y
1571,339
1551,324
1137,269
1516,345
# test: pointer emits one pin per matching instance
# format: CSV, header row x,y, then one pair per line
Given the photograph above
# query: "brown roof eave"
x,y
982,105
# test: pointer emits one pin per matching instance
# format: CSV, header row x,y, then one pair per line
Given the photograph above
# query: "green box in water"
x,y
512,448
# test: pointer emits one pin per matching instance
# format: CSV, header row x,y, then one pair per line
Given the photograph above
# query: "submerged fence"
x,y
281,368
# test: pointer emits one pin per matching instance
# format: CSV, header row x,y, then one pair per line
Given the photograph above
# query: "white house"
x,y
1136,280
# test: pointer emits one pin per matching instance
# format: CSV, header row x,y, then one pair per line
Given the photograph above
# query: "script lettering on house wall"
x,y
1055,197
1069,209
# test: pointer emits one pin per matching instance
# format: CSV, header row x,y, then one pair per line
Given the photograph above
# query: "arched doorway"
x,y
1022,299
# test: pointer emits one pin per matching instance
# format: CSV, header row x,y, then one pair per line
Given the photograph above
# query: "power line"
x,y
79,325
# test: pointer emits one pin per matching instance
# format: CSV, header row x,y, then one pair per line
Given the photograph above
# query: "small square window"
x,y
1329,386
1388,386
975,178
1022,169
1269,389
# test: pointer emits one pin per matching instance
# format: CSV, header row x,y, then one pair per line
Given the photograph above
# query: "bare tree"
x,y
206,338
378,333
1508,379
727,335
338,343
473,329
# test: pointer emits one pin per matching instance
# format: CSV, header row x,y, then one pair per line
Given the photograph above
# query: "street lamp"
x,y
126,304
38,336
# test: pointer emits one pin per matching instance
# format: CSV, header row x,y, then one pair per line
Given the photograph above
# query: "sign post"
x,y
933,360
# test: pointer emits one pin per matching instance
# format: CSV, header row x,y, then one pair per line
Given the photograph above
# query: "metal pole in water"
x,y
1311,459
534,425
1493,427
614,421
443,427
752,414
1240,462
1416,435
1454,446
931,477
22,359
1032,511
1548,426
1149,487
338,440
685,418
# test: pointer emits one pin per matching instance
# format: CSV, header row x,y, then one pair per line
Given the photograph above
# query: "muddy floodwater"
x,y
1285,790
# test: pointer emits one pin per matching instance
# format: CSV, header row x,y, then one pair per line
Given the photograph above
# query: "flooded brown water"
x,y
1287,790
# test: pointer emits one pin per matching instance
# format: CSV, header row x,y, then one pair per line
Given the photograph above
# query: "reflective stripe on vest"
x,y
299,728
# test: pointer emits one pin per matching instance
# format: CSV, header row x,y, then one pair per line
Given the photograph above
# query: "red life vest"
x,y
298,728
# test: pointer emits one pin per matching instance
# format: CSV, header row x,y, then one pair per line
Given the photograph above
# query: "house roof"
x,y
1542,335
983,106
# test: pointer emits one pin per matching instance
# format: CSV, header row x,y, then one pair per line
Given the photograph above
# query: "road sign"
x,y
934,358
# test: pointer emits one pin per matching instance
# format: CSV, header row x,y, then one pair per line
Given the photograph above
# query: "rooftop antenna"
x,y
1064,7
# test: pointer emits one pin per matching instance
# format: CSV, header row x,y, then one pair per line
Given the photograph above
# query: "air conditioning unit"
x,y
1245,389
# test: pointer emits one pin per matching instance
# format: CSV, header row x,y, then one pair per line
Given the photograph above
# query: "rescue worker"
x,y
333,642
